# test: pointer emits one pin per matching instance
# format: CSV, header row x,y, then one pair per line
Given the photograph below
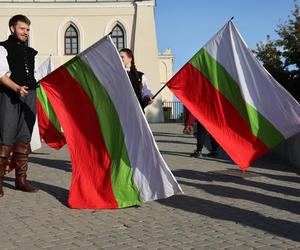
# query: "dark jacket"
x,y
21,62
136,81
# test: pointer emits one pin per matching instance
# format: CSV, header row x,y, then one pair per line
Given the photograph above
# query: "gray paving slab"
x,y
216,211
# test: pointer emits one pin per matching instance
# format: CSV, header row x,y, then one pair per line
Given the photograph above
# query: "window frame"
x,y
72,39
118,37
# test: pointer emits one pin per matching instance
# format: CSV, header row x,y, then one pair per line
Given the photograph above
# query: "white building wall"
x,y
93,19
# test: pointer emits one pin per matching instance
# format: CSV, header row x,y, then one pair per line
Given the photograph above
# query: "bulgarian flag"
x,y
235,98
115,160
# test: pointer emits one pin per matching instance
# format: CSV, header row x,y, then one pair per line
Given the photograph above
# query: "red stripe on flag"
x,y
217,115
48,132
91,178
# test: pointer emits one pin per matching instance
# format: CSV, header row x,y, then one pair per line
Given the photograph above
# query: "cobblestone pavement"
x,y
217,211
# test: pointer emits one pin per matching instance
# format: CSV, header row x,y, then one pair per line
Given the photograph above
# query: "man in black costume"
x,y
17,102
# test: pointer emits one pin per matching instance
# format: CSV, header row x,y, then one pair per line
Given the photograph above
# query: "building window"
x,y
117,35
71,41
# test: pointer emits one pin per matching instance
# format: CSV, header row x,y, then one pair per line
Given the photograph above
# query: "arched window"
x,y
71,41
117,35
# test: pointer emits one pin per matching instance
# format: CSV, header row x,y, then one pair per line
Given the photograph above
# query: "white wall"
x,y
93,20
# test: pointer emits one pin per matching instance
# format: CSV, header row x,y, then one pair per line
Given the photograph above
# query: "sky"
x,y
186,25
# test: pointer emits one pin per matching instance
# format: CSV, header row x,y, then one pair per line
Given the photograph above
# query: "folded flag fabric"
x,y
44,69
115,160
49,126
235,98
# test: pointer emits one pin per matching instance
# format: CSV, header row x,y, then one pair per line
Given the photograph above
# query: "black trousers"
x,y
17,117
201,135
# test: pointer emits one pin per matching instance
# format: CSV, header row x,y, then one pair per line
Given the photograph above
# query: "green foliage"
x,y
281,57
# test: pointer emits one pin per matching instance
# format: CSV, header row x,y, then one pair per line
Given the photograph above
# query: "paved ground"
x,y
216,211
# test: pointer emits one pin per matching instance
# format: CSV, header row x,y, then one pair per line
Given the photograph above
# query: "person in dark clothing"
x,y
137,79
189,121
201,135
17,102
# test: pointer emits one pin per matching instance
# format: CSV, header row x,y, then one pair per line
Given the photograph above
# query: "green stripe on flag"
x,y
121,172
47,107
222,81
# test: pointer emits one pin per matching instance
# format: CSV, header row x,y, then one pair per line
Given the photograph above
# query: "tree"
x,y
281,57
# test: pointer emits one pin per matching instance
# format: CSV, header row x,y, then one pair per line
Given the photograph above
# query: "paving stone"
x,y
216,211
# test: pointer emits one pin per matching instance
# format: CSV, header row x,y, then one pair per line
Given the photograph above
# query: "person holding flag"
x,y
17,101
137,79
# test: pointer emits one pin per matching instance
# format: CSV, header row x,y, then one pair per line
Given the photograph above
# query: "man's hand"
x,y
146,101
22,91
150,100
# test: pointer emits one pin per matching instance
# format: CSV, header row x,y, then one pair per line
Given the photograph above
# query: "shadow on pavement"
x,y
166,134
265,162
175,142
52,163
182,154
286,178
241,194
211,177
61,194
8,185
220,158
279,227
37,153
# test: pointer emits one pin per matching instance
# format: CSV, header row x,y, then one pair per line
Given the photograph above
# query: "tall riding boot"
x,y
4,155
20,161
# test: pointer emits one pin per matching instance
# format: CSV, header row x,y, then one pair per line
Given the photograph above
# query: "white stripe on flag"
x,y
258,87
150,172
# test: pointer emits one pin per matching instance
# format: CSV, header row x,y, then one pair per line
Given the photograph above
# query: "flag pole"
x,y
159,91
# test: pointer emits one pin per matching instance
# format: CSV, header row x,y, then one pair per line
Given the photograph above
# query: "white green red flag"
x,y
115,160
235,98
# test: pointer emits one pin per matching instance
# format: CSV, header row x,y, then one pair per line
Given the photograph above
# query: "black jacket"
x,y
21,62
136,81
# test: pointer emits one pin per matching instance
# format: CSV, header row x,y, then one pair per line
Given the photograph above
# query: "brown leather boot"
x,y
4,155
20,161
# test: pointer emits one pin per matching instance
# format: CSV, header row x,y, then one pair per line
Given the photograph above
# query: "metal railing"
x,y
173,111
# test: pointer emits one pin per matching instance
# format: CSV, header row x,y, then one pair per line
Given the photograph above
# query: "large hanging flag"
x,y
235,98
115,160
